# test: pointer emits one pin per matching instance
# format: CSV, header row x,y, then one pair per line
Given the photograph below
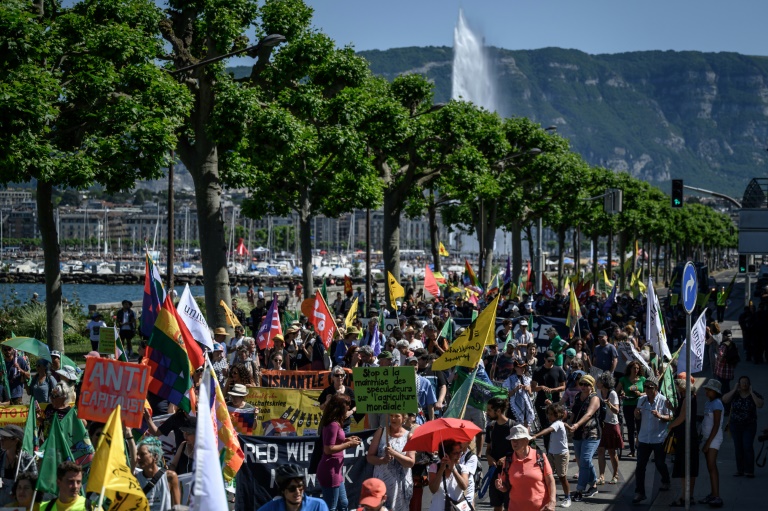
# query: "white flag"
x,y
698,336
209,480
192,317
654,326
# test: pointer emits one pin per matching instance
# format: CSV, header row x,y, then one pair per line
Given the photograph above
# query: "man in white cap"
x,y
523,337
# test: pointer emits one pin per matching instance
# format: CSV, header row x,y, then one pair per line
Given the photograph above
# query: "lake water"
x,y
95,293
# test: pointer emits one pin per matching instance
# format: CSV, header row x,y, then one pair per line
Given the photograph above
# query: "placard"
x,y
385,389
108,383
107,340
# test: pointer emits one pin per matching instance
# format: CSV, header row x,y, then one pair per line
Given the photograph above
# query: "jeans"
x,y
744,444
585,451
632,425
336,498
644,452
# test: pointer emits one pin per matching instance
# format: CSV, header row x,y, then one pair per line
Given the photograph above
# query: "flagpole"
x,y
34,496
101,497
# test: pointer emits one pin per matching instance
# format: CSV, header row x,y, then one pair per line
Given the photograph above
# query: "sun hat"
x,y
238,389
519,432
353,330
220,331
293,329
715,385
55,353
68,373
372,492
385,354
652,380
523,322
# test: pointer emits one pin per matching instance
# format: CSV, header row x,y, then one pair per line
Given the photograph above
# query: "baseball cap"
x,y
372,492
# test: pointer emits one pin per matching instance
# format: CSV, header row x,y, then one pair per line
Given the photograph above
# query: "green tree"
x,y
82,103
292,137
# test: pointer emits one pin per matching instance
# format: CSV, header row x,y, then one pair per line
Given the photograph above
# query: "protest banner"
x,y
108,383
283,412
13,414
255,480
698,346
389,325
301,379
107,341
386,389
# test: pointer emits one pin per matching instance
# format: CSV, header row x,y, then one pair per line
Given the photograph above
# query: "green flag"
x,y
29,443
447,331
5,379
507,341
480,393
80,442
460,397
55,451
288,318
119,344
474,315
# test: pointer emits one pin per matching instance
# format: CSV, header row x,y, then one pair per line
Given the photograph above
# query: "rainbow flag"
x,y
469,276
232,455
168,361
154,296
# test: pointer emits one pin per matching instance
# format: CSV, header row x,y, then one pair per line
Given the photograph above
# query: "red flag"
x,y
322,320
547,287
583,290
241,250
194,351
529,282
347,285
430,283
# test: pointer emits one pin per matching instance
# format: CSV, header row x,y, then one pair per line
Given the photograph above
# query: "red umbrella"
x,y
428,436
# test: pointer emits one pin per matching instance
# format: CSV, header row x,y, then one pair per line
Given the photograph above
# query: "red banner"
x,y
322,320
108,383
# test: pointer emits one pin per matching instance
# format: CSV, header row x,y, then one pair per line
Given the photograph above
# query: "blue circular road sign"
x,y
690,288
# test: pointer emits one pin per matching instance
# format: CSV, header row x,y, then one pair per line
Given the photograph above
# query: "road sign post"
x,y
689,290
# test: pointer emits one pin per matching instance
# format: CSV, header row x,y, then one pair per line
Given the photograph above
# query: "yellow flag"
x,y
109,471
442,251
638,278
231,318
467,349
607,281
395,290
350,319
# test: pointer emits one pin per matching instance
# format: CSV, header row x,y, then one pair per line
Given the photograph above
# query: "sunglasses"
x,y
338,376
295,487
584,385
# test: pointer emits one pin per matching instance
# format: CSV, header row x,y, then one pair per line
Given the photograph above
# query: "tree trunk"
x,y
391,241
305,234
561,255
622,259
595,244
489,237
517,251
434,232
51,250
577,252
531,284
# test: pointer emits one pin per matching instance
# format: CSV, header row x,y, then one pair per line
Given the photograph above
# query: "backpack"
x,y
732,354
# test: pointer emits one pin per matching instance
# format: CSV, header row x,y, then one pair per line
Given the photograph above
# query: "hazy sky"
x,y
593,26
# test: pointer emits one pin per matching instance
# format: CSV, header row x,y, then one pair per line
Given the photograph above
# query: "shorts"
x,y
497,498
716,442
475,416
559,463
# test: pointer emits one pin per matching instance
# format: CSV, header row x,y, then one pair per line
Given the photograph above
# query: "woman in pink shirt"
x,y
330,469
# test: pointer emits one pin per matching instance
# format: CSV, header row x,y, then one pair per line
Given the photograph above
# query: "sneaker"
x,y
716,502
706,500
566,502
577,497
591,491
638,498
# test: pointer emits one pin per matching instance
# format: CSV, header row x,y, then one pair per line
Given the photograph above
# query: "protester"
x,y
69,479
654,413
470,465
518,387
586,436
23,491
630,387
159,485
94,326
13,459
610,437
498,447
183,461
677,430
527,475
41,385
350,339
557,451
337,387
237,397
744,403
606,357
392,464
548,382
425,395
17,373
580,352
334,441
712,438
59,406
292,486
126,321
725,363
373,495
446,480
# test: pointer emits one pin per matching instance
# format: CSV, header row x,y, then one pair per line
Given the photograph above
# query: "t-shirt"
x,y
710,407
610,417
558,439
329,468
630,396
604,356
528,491
307,504
497,434
438,498
468,463
551,378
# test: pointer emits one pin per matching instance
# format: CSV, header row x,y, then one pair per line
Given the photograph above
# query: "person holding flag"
x,y
69,479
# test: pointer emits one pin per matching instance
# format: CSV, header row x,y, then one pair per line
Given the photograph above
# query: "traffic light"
x,y
742,263
677,193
